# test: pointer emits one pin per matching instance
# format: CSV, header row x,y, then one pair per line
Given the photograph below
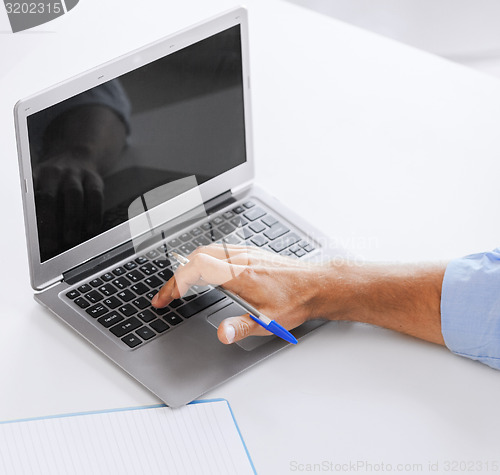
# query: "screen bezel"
x,y
45,273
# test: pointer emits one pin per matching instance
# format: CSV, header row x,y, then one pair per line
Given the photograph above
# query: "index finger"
x,y
202,269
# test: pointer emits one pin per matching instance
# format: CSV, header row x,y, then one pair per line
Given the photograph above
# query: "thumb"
x,y
236,328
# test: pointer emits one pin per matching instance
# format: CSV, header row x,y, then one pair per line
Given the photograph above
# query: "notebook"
x,y
201,438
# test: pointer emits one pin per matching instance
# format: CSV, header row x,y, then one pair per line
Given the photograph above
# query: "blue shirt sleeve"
x,y
470,307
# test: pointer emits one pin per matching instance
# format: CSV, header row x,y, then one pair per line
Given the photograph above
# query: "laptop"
x,y
147,154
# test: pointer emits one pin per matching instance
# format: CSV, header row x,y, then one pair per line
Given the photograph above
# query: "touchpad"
x,y
234,310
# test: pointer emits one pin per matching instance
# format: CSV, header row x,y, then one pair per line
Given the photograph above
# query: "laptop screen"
x,y
95,153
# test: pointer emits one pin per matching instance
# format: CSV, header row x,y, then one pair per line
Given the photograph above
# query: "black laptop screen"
x,y
95,153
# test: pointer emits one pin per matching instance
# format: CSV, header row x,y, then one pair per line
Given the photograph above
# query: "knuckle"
x,y
197,259
94,182
250,275
200,250
242,328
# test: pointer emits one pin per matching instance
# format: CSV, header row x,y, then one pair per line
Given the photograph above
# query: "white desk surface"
x,y
393,152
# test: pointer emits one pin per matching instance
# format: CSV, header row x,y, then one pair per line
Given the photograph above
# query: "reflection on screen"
x,y
95,153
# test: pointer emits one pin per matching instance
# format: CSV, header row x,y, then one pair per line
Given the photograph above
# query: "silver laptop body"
x,y
178,108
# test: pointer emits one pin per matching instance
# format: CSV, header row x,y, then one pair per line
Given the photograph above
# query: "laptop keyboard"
x,y
120,299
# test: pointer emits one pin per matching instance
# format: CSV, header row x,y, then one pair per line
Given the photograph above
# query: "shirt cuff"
x,y
470,307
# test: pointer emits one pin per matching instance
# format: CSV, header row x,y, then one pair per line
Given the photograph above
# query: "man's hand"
x,y
281,288
69,195
404,298
79,147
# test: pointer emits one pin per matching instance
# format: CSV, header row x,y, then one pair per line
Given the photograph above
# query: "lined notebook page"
x,y
199,438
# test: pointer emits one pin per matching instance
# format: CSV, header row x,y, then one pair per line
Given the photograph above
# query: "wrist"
x,y
334,290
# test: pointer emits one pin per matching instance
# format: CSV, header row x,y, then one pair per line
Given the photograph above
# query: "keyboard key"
x,y
130,265
153,254
149,268
141,260
160,311
135,276
276,231
201,241
84,288
107,277
196,232
287,253
254,213
232,239
154,282
140,288
214,235
239,222
108,289
126,326
281,244
73,294
259,240
309,248
127,310
141,303
226,228
125,295
96,282
269,220
121,283
295,248
187,248
249,204
110,319
145,333
244,233
185,237
238,209
150,295
300,253
201,303
112,302
163,248
174,243
97,310
81,302
119,271
146,316
172,318
206,226
217,220
176,303
159,325
94,296
132,340
257,227
161,263
165,274
227,215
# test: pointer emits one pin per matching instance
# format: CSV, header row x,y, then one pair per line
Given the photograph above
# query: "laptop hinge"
x,y
125,250
219,202
104,260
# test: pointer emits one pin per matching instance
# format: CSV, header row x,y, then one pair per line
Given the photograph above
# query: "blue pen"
x,y
255,315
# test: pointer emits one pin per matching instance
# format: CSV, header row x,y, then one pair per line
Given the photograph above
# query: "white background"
x,y
391,151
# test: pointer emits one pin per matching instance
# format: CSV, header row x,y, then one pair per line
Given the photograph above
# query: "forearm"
x,y
405,298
